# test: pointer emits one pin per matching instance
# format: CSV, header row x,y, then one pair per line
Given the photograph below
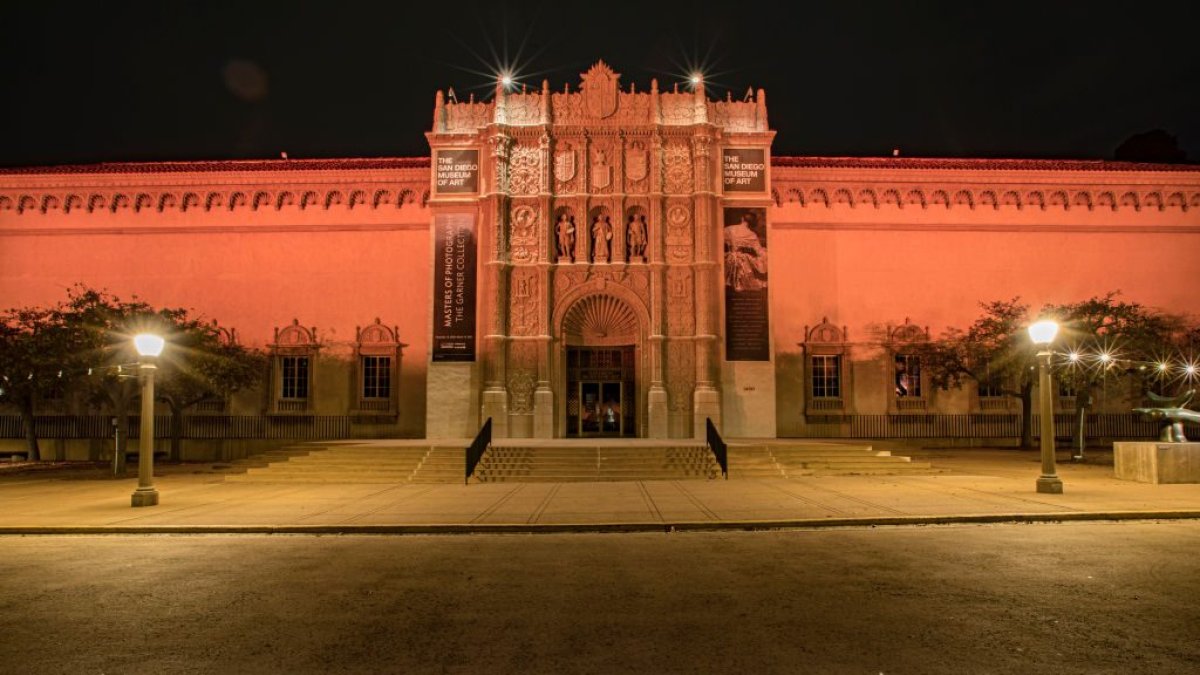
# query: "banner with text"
x,y
454,287
747,323
456,171
744,169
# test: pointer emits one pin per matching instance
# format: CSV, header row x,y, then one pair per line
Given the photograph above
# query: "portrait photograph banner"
x,y
747,323
454,287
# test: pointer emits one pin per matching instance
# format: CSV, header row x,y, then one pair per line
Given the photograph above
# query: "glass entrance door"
x,y
600,409
601,391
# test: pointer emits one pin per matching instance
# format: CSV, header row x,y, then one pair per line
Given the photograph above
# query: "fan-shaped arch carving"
x,y
600,319
142,201
72,202
308,199
825,333
868,196
382,196
295,335
49,202
213,200
1084,198
261,198
377,333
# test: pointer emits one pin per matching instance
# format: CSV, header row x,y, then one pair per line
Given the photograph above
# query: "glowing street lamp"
x,y
1042,333
148,346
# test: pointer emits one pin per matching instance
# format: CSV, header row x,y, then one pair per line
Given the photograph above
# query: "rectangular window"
x,y
827,376
295,377
908,376
377,377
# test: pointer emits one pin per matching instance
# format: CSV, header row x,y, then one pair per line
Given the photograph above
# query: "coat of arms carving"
x,y
602,171
564,163
636,161
600,90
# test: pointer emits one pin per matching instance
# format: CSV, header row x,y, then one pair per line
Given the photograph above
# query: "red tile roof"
x,y
423,163
231,165
976,164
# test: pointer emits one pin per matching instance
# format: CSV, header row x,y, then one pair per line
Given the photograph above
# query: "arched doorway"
x,y
602,371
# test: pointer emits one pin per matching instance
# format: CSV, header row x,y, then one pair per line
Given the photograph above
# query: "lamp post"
x,y
1042,333
148,347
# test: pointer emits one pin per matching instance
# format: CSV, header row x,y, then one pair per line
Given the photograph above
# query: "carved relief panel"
x,y
524,169
566,166
523,233
678,172
679,231
525,314
681,376
522,376
681,314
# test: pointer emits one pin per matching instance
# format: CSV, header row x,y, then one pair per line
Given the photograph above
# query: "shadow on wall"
x,y
789,393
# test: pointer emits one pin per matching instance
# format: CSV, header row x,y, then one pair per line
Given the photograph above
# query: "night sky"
x,y
175,80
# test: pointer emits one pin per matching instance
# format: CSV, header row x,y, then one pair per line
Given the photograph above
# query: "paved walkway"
x,y
975,486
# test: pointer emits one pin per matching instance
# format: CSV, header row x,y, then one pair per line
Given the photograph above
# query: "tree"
x,y
1102,336
35,362
205,364
199,364
993,350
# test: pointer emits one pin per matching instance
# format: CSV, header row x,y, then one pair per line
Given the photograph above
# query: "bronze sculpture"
x,y
1172,414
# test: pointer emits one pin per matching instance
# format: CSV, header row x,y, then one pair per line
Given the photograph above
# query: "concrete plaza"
x,y
976,485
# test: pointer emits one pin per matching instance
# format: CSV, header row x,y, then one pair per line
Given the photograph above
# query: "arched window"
x,y
292,357
909,385
826,382
377,351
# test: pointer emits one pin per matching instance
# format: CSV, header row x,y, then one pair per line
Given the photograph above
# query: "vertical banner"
x,y
454,287
747,324
456,171
744,170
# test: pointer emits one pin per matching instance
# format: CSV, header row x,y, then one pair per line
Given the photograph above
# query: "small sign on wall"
x,y
744,169
456,171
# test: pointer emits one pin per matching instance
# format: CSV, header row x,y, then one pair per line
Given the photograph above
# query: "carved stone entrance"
x,y
601,337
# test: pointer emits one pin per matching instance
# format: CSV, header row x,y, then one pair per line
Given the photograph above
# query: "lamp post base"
x,y
1051,485
144,497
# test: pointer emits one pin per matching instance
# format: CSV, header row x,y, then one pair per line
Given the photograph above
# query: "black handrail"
x,y
719,449
478,446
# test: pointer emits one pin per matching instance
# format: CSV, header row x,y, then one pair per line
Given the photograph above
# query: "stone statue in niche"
x,y
565,228
636,236
601,237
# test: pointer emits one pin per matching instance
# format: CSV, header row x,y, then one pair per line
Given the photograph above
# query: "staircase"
x,y
785,459
367,462
573,461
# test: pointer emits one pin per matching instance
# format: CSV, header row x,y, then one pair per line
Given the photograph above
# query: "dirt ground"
x,y
1061,598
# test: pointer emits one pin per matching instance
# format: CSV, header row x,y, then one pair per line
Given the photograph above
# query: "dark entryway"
x,y
601,391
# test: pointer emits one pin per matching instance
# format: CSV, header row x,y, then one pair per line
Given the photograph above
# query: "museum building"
x,y
600,260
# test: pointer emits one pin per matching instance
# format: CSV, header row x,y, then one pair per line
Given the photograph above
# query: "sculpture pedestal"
x,y
1157,462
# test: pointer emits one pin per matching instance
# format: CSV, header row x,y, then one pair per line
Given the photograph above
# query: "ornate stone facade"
x,y
606,192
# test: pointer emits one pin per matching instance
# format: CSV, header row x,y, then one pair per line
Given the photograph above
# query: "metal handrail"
x,y
478,446
719,450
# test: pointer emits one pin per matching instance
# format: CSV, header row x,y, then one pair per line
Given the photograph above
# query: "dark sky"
x,y
195,80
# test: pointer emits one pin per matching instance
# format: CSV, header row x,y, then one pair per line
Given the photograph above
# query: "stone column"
x,y
707,398
495,292
657,411
543,395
